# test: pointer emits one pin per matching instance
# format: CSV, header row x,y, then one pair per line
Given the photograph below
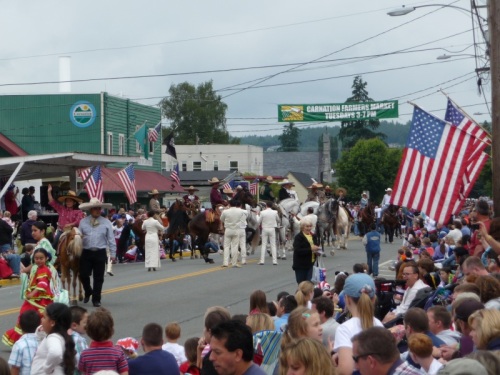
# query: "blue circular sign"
x,y
82,114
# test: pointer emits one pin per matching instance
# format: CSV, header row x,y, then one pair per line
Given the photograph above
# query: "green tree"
x,y
352,131
369,165
197,114
290,138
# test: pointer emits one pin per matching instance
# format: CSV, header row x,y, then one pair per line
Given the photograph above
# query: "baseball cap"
x,y
463,366
359,283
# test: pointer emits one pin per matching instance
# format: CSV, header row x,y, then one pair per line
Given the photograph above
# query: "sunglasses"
x,y
356,358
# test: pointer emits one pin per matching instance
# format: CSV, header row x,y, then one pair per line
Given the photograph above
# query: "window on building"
x,y
196,165
164,166
184,166
216,165
233,166
110,143
121,144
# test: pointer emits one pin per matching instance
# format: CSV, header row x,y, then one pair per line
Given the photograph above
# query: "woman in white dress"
x,y
152,246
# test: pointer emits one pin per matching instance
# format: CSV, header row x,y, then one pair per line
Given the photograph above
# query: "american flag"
x,y
155,133
175,174
127,178
227,186
434,159
94,184
254,187
478,158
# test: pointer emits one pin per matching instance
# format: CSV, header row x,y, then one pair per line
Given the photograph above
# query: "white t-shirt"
x,y
434,367
176,350
347,330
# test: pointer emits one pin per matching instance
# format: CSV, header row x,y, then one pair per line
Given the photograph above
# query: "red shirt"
x,y
66,215
475,242
187,367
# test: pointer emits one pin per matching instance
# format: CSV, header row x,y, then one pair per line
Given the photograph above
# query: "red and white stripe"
x,y
93,186
128,183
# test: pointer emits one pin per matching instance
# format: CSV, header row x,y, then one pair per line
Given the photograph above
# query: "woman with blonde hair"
x,y
359,291
306,356
260,322
485,329
304,294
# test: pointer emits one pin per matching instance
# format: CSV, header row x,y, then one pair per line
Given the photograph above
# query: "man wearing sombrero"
x,y
191,197
284,190
386,202
265,192
97,235
215,195
69,213
364,201
341,193
154,203
315,194
328,192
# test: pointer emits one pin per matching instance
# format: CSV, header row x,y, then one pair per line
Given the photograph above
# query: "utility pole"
x,y
494,31
327,163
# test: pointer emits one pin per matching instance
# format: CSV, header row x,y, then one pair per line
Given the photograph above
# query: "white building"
x,y
242,158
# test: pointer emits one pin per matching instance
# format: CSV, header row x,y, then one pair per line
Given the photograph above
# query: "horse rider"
x,y
315,194
69,213
215,194
154,203
341,199
97,235
386,202
328,192
364,201
284,192
265,192
191,197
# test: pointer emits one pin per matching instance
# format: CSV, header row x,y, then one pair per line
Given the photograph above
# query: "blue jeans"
x,y
372,260
14,261
356,228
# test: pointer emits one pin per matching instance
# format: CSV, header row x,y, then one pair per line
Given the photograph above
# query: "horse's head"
x,y
247,198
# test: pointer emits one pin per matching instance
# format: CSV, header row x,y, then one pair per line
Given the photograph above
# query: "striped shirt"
x,y
23,352
102,356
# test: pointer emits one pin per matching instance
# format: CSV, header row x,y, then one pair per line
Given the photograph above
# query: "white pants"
x,y
243,245
268,234
231,242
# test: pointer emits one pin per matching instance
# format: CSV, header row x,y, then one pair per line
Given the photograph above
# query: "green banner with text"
x,y
338,111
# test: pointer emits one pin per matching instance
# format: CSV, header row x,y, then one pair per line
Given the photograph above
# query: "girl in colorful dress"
x,y
38,230
37,292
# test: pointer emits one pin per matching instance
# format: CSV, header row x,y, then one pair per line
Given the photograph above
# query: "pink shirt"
x,y
66,215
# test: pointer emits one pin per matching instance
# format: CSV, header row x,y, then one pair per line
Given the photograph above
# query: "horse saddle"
x,y
212,215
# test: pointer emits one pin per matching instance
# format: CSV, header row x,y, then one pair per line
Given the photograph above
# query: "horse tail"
x,y
75,247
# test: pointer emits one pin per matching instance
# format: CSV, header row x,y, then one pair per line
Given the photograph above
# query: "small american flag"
x,y
174,175
254,187
155,133
93,186
127,178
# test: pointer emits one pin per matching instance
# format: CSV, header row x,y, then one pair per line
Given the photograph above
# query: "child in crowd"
x,y
26,255
24,349
446,276
131,254
79,318
427,246
7,218
102,354
129,346
173,333
189,366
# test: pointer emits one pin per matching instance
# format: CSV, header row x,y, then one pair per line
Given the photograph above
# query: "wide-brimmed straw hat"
x,y
93,203
153,192
71,195
341,190
228,191
327,187
316,185
214,180
269,179
285,182
191,188
239,187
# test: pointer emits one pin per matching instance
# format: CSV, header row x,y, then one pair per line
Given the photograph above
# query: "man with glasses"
x,y
413,284
374,352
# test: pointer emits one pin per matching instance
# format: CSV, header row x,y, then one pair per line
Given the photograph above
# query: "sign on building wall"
x,y
82,114
338,111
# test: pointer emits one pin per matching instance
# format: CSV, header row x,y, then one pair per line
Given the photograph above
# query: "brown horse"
x,y
391,221
366,218
200,227
178,220
70,249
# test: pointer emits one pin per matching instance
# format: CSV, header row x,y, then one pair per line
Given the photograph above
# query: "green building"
x,y
97,124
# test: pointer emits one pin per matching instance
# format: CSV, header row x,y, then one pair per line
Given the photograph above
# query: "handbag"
x,y
319,271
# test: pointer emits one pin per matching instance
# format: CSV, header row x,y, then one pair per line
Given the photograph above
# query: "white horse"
x,y
287,209
253,222
342,227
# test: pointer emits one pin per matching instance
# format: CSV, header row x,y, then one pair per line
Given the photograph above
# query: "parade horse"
x,y
178,219
193,208
287,209
390,221
327,218
366,218
70,249
252,242
200,228
342,225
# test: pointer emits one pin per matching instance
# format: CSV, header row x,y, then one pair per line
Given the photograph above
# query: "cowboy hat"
x,y
93,203
153,192
341,190
71,195
388,189
327,187
228,191
191,188
285,182
214,180
239,187
315,185
269,179
364,194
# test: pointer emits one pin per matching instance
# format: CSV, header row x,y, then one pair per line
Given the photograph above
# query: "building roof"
x,y
279,163
304,178
144,181
202,177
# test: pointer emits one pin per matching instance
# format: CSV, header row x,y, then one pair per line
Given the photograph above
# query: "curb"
x,y
10,282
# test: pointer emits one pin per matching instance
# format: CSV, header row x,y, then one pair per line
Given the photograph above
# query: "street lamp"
x,y
405,10
444,56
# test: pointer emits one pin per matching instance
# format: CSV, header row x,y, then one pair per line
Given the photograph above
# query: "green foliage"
x,y
352,131
369,165
197,114
290,138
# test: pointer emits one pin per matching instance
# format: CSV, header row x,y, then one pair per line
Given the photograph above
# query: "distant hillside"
x,y
396,134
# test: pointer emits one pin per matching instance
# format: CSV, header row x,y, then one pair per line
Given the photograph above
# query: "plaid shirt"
x,y
23,353
80,345
405,369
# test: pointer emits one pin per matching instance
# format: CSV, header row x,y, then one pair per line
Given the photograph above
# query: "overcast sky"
x,y
111,38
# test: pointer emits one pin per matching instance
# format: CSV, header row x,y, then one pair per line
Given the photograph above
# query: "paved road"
x,y
182,291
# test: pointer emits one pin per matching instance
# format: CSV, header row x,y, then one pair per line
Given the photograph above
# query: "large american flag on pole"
x,y
154,133
127,178
478,158
174,174
93,186
433,163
